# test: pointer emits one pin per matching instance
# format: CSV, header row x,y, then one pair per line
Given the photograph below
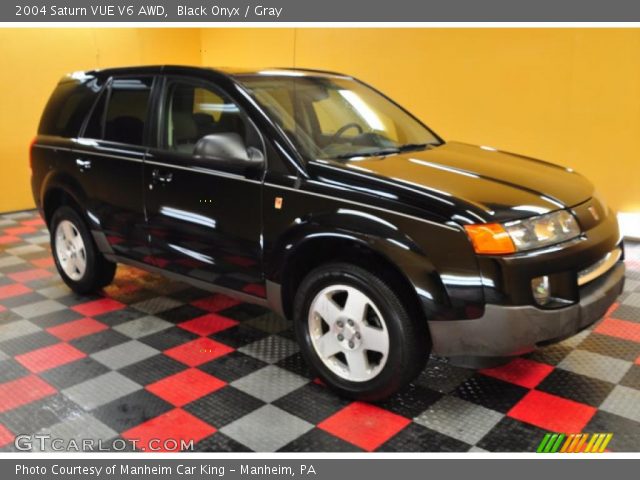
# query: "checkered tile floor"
x,y
151,358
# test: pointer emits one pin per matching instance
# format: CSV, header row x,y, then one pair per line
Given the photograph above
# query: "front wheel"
x,y
82,267
356,333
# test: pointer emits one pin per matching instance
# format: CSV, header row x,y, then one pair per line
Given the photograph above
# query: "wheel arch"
x,y
382,250
60,189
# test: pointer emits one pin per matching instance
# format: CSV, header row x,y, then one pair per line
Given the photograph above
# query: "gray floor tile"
x,y
266,429
270,383
101,390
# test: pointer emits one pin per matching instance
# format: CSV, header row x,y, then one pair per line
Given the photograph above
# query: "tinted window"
x,y
94,128
127,109
195,111
68,106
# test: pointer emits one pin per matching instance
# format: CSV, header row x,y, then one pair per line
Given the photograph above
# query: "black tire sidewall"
x,y
403,341
91,275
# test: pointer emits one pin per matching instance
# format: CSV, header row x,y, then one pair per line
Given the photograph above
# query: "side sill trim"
x,y
245,297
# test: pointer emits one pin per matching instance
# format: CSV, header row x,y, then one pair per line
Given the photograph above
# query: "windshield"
x,y
335,117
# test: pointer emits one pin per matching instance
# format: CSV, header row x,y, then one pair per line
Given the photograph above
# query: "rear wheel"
x,y
356,333
82,267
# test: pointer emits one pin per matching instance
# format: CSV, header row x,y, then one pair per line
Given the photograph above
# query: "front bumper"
x,y
513,330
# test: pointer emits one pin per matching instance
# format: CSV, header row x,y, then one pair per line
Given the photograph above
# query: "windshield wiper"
x,y
374,153
407,147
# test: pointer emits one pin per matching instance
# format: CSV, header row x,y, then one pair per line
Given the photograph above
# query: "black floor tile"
x,y
312,403
131,410
490,392
611,346
169,338
416,438
99,341
73,373
317,440
223,406
27,343
510,435
576,387
232,366
152,369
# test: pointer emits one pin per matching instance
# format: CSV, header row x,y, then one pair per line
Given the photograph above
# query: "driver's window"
x,y
195,111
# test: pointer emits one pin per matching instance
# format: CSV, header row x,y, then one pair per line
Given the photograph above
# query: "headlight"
x,y
522,235
542,231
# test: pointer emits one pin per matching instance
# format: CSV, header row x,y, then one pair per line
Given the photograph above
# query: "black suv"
x,y
315,195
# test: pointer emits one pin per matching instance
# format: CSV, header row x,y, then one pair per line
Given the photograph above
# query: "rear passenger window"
x,y
68,106
127,104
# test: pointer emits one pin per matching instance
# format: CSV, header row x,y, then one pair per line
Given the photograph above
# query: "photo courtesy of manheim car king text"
x,y
292,239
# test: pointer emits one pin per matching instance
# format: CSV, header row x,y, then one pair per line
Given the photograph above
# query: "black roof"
x,y
230,71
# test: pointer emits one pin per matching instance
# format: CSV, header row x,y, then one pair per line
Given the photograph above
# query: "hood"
x,y
494,185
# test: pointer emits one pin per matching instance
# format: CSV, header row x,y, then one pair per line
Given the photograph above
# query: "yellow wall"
x,y
32,62
571,96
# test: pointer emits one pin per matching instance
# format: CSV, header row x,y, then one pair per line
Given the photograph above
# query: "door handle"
x,y
83,164
161,177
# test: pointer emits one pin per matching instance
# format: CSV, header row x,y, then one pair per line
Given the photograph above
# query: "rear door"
x,y
204,215
109,157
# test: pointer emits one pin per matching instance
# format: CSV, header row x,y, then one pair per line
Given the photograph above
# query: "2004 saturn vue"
x,y
315,195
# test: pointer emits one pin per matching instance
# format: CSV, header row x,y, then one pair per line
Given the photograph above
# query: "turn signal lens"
x,y
490,238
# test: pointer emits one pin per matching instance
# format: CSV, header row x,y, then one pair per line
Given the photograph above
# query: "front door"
x,y
204,214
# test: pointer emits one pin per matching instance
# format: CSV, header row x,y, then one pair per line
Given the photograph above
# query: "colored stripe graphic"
x,y
543,443
574,443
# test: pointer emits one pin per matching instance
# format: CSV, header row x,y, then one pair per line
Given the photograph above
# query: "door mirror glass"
x,y
226,146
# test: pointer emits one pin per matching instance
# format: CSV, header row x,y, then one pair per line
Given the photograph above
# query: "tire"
x,y
318,329
82,267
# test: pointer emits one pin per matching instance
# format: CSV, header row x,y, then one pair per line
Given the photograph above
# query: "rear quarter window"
x,y
68,107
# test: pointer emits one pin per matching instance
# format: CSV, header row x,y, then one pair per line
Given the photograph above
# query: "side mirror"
x,y
229,152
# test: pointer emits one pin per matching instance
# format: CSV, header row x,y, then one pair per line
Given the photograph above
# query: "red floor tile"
x,y
98,307
619,328
208,324
23,391
29,275
33,222
157,261
364,425
520,371
614,306
76,329
552,413
174,426
6,437
20,230
185,387
215,303
43,262
198,351
49,357
240,261
255,289
7,239
637,362
13,290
